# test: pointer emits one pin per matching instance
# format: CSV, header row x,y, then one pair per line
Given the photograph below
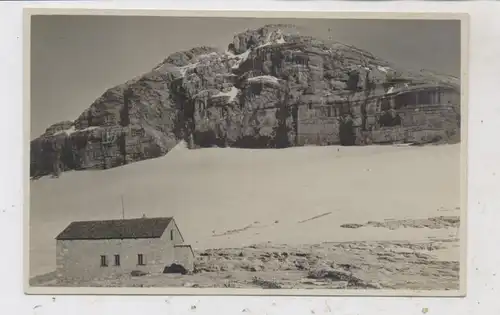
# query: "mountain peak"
x,y
274,87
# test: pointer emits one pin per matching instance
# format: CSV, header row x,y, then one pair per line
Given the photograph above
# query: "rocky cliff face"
x,y
246,96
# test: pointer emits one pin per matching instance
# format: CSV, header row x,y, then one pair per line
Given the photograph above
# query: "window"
x,y
171,235
424,98
140,260
385,104
104,261
117,260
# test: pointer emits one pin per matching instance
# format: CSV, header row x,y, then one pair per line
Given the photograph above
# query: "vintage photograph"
x,y
246,153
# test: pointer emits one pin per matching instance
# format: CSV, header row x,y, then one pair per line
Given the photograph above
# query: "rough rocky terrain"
x,y
431,223
241,97
389,265
350,265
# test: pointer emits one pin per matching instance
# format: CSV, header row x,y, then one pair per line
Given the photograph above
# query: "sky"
x,y
74,59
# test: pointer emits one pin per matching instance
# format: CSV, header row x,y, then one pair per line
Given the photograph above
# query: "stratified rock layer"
x,y
272,88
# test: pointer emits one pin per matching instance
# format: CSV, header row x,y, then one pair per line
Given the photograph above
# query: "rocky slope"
x,y
242,97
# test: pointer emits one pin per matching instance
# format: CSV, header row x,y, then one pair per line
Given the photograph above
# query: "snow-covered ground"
x,y
262,194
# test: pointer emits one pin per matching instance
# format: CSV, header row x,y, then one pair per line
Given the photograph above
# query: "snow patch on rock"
x,y
383,69
231,93
267,78
73,130
183,70
240,58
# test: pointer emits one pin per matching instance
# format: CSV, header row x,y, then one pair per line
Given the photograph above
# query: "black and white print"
x,y
245,153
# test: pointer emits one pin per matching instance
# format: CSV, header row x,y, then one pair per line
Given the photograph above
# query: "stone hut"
x,y
89,250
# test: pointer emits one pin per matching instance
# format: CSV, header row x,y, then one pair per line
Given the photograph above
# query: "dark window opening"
x,y
171,235
346,133
310,106
117,260
424,97
104,261
385,104
390,120
406,99
140,260
352,82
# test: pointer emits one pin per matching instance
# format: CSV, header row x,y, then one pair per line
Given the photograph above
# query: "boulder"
x,y
138,273
332,274
302,264
175,268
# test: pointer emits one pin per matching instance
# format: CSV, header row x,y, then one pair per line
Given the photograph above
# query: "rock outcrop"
x,y
272,88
